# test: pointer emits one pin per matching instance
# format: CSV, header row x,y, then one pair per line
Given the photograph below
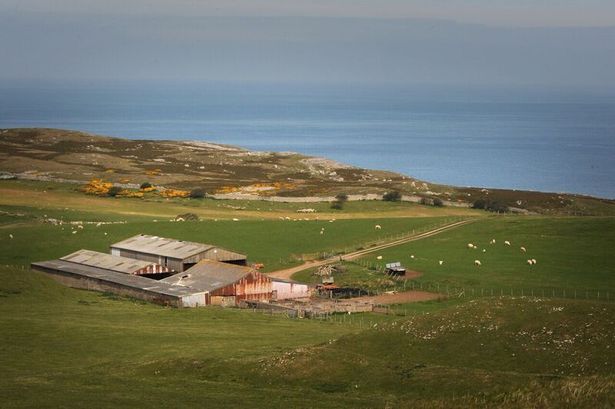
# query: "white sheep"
x,y
322,232
105,233
507,242
74,231
492,241
379,258
377,227
235,219
477,263
484,250
533,261
529,262
475,247
470,245
11,235
412,256
523,249
441,262
80,227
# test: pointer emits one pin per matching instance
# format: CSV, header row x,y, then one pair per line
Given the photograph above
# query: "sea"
x,y
530,138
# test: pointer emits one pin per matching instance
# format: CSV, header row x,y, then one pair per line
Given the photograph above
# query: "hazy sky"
x,y
532,42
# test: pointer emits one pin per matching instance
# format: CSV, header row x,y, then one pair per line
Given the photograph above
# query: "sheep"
x,y
475,247
470,245
523,249
533,261
507,242
11,236
484,250
80,227
441,262
492,241
379,258
74,231
477,263
322,232
105,233
412,256
530,262
377,227
235,219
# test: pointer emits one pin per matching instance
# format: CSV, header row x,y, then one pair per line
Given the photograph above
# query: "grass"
x,y
61,347
276,243
572,253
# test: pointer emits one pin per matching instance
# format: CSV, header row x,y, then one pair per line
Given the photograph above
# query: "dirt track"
x,y
287,273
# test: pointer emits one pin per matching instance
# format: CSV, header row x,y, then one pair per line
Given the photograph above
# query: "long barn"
x,y
226,284
176,255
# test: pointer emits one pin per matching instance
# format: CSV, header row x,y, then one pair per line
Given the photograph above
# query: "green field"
x,y
571,253
61,347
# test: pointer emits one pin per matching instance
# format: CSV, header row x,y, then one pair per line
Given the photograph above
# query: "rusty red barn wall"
x,y
254,286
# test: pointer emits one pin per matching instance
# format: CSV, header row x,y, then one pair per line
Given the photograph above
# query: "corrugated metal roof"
x,y
165,247
127,280
209,275
107,261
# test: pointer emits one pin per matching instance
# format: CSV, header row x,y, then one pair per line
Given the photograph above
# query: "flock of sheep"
x,y
472,246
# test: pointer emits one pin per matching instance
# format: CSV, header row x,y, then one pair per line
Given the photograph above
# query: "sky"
x,y
488,42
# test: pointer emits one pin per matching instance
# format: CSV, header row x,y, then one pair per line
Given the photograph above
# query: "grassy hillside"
x,y
61,347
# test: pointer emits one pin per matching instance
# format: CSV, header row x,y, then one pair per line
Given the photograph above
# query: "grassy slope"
x,y
61,347
570,253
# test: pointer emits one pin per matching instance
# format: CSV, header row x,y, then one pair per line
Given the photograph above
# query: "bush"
x,y
489,205
393,196
197,193
145,185
337,205
114,191
341,197
437,202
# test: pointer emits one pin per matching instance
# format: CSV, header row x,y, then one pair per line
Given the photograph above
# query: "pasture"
x,y
571,253
61,347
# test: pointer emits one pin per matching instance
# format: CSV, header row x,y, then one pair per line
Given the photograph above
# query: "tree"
x,y
437,202
392,196
197,193
340,199
145,185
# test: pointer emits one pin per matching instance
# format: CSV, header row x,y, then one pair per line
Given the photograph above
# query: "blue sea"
x,y
523,138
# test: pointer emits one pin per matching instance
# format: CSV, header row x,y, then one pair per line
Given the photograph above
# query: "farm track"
x,y
288,273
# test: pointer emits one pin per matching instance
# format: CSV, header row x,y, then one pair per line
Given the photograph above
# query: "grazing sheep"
x,y
379,258
11,235
530,262
507,242
484,250
412,256
475,247
533,261
74,231
378,227
492,241
470,245
80,227
105,233
322,232
477,263
440,262
523,249
235,219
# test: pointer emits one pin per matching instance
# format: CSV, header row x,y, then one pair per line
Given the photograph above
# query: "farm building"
x,y
288,289
177,255
100,279
116,263
226,284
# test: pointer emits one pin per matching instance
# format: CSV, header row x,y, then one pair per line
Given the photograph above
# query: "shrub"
x,y
337,205
197,193
489,205
393,196
341,197
145,185
114,191
437,202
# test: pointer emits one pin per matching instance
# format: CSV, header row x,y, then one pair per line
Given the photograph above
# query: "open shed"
x,y
177,255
